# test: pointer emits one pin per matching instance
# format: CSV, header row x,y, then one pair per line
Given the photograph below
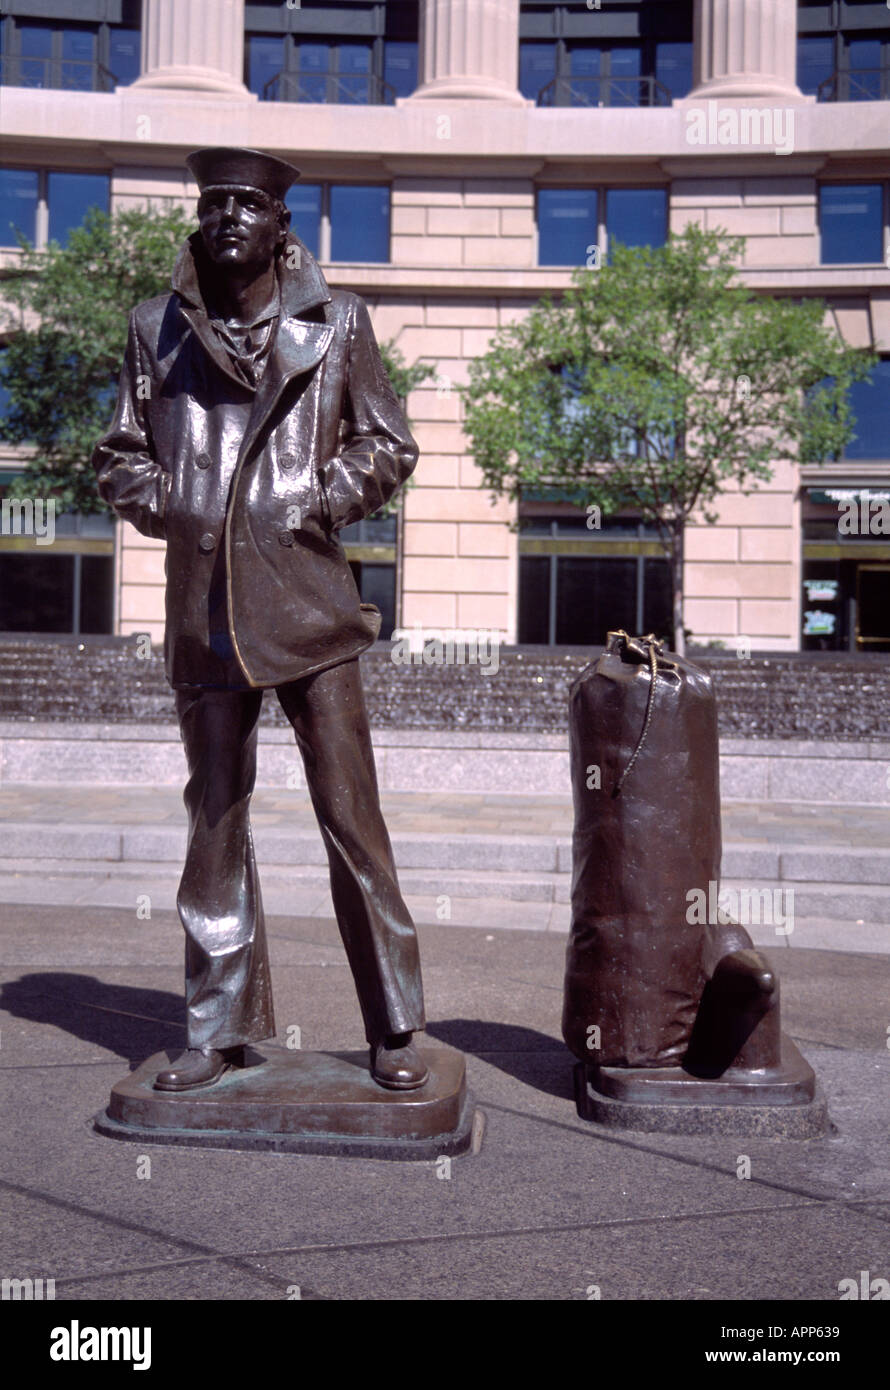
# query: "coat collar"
x,y
298,345
302,286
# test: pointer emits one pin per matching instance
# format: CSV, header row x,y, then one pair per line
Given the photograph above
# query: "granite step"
x,y
771,902
429,882
857,902
818,922
455,851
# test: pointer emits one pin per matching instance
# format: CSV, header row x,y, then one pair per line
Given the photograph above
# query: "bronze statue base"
x,y
782,1101
302,1102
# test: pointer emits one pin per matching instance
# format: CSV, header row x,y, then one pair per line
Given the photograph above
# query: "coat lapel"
x,y
299,347
200,326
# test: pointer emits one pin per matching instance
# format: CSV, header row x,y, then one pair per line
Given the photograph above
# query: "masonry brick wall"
x,y
460,558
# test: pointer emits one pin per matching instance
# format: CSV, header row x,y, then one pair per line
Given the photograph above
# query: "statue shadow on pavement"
x,y
130,1022
535,1058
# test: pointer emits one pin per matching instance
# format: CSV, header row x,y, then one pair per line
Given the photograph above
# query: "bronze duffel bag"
x,y
645,778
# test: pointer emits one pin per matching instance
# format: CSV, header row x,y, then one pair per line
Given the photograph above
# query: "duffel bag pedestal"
x,y
671,1011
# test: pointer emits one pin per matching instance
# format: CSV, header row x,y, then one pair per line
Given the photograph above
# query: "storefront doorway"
x,y
846,568
873,608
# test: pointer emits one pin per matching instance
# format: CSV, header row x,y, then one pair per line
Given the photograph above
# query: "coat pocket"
x,y
371,619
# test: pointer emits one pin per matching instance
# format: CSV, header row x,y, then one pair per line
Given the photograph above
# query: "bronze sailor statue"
x,y
255,419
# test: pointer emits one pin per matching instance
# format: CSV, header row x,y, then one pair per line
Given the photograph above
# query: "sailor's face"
x,y
240,228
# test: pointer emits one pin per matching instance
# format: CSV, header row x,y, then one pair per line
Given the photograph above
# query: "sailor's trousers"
x,y
228,989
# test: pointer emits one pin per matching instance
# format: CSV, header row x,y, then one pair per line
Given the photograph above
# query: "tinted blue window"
x,y
265,60
304,202
673,68
625,62
69,197
35,40
851,223
18,199
35,46
313,57
624,89
537,67
123,54
585,62
870,403
354,67
815,63
314,62
585,85
637,216
359,222
354,57
400,67
864,61
78,58
567,225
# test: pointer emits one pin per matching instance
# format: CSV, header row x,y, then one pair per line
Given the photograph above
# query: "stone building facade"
x,y
485,127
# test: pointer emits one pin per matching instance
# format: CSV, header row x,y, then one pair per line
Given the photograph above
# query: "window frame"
x,y
641,24
325,227
596,545
875,382
376,24
72,540
42,214
100,28
845,25
601,190
884,185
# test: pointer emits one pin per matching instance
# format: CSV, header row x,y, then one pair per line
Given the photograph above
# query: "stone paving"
x,y
550,1207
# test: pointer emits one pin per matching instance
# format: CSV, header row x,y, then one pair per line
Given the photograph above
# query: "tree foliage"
x,y
66,317
656,383
403,377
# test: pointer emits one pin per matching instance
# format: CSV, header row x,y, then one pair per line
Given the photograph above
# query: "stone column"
x,y
193,44
469,49
746,48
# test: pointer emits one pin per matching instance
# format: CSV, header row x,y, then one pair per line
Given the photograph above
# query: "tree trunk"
x,y
676,568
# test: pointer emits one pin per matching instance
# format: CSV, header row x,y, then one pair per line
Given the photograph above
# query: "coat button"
x,y
286,537
288,460
207,542
203,460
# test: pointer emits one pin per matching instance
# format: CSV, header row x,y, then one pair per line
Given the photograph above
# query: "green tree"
x,y
67,312
653,384
403,377
68,330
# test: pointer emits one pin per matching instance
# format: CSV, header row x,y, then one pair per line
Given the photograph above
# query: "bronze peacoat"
x,y
249,486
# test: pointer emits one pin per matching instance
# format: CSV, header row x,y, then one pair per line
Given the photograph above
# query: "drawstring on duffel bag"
x,y
644,648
